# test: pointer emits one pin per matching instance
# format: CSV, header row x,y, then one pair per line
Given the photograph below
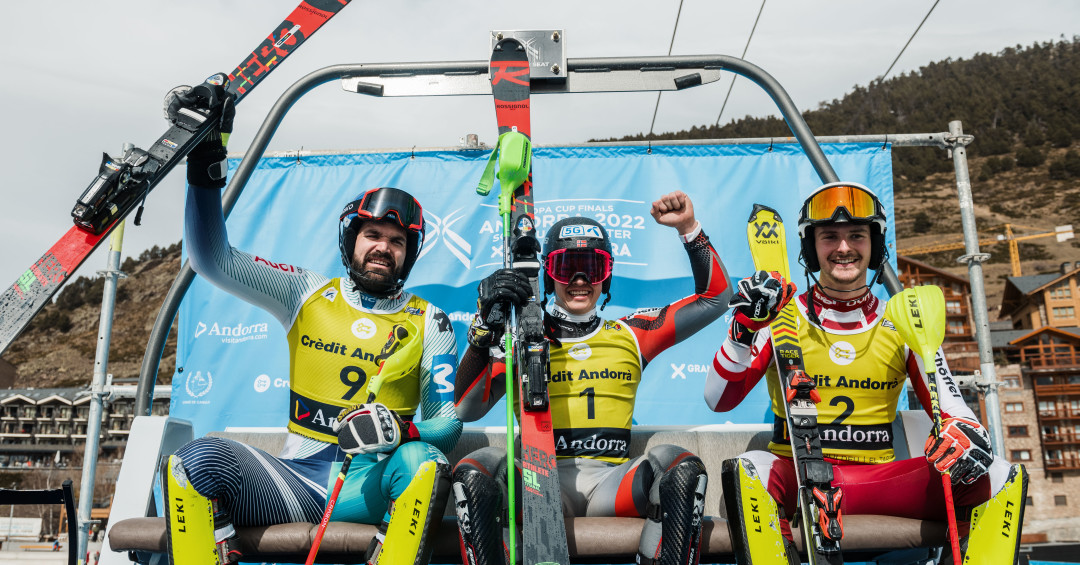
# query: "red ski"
x,y
543,530
124,182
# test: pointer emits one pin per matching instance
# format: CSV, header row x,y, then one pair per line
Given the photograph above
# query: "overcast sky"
x,y
82,77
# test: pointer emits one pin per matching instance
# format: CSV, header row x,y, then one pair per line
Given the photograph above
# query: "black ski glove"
x,y
498,293
759,301
186,107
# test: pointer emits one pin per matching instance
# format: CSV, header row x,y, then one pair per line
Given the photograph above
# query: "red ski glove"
x,y
963,449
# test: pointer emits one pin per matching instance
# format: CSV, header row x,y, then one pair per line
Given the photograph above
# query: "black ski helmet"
x,y
842,202
576,233
385,203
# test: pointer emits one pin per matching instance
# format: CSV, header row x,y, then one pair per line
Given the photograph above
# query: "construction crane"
x,y
1062,233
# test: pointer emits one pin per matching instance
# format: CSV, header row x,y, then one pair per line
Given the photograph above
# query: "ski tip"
x,y
508,44
762,207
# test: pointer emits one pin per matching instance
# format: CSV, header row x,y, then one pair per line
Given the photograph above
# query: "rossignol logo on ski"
x,y
511,71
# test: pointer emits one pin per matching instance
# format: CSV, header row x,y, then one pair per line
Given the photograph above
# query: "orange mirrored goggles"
x,y
857,203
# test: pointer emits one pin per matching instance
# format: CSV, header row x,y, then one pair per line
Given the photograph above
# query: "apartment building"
x,y
36,424
1039,376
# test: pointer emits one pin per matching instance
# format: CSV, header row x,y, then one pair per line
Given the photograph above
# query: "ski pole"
x,y
397,334
919,317
514,153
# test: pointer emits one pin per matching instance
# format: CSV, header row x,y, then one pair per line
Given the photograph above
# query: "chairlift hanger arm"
x,y
597,74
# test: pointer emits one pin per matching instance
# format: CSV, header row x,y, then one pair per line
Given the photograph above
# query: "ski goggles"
x,y
385,204
855,202
564,265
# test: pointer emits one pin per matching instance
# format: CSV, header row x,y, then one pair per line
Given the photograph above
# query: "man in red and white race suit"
x,y
859,364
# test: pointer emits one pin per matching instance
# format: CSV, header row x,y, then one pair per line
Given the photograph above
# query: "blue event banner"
x,y
232,358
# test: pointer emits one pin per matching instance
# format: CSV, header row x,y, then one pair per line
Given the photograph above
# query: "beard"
x,y
376,283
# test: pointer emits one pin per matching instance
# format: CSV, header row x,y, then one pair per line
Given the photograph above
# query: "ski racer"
x,y
858,362
591,417
381,233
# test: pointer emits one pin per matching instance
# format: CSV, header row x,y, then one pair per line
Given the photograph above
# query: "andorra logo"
x,y
198,385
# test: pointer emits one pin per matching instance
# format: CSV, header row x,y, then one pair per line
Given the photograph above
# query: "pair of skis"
x,y
124,182
819,501
543,529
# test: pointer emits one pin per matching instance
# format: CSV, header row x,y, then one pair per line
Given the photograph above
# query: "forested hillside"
x,y
1022,105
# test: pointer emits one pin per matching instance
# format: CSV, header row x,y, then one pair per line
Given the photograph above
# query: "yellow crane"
x,y
1061,232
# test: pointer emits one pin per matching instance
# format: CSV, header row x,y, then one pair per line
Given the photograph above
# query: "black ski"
x,y
819,501
543,529
125,181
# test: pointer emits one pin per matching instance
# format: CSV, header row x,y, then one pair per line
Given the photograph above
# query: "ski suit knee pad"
x,y
210,463
753,516
481,513
675,512
994,536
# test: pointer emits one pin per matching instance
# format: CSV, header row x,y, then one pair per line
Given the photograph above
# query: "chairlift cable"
x,y
745,49
670,45
882,77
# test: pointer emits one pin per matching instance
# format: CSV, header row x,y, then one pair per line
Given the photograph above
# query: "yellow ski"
x,y
190,517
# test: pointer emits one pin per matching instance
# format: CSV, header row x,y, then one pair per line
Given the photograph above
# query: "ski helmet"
x,y
563,258
384,203
842,202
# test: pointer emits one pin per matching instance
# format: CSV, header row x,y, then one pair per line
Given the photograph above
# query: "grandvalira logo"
x,y
439,229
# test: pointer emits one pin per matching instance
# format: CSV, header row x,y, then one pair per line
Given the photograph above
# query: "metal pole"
x,y
97,389
987,381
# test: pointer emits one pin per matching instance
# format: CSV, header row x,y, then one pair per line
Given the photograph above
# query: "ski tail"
x,y
189,516
996,524
304,21
124,182
753,516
